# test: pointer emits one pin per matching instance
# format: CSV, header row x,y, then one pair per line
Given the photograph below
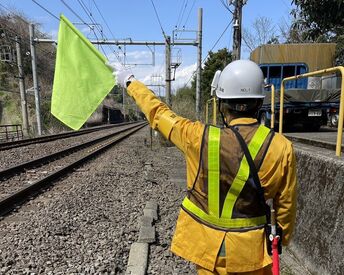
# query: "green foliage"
x,y
50,123
216,61
5,71
321,21
117,94
132,115
340,51
184,103
185,93
325,17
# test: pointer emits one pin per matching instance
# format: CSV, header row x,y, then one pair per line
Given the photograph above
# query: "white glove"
x,y
122,75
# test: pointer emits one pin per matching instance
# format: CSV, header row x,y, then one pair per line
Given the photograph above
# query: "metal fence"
x,y
11,132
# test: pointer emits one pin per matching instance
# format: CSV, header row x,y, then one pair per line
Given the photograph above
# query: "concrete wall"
x,y
318,239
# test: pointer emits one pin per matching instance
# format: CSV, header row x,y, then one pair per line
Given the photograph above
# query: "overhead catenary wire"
x,y
90,15
157,16
181,18
101,14
187,18
78,16
182,10
109,29
82,20
217,41
49,12
227,6
186,4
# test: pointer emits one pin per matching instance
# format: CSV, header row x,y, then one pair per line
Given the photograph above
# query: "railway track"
x,y
47,138
21,181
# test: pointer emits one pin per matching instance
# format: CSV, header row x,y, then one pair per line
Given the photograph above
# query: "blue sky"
x,y
137,20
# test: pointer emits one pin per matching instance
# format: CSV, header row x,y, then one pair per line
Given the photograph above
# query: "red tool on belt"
x,y
275,239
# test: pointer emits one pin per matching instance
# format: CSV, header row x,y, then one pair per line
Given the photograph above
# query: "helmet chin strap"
x,y
222,115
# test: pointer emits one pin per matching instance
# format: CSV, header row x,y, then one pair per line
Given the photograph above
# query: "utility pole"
x,y
35,78
168,70
237,20
123,105
199,64
22,88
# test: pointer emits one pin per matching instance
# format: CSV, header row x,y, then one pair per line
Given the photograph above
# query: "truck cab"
x,y
305,102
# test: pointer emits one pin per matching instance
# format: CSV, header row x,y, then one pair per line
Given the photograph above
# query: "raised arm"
x,y
180,131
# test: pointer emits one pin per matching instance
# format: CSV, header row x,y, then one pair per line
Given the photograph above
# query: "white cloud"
x,y
155,74
184,75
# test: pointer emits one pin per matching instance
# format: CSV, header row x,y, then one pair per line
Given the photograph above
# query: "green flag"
x,y
81,80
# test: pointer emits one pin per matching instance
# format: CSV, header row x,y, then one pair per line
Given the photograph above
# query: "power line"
x,y
182,8
78,16
181,18
106,24
49,12
187,19
217,41
186,4
89,14
156,13
226,6
95,4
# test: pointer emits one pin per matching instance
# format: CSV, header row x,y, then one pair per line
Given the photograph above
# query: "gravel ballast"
x,y
21,154
86,222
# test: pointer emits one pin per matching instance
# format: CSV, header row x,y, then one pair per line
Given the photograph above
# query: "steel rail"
x,y
54,156
47,138
10,202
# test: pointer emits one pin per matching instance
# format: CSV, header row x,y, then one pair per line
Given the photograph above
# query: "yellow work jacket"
x,y
198,243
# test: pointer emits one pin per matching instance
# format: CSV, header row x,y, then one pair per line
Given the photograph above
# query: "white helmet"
x,y
239,79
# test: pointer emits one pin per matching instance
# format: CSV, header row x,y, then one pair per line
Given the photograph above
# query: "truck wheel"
x,y
334,120
263,119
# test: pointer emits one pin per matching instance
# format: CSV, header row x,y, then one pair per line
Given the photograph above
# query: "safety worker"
x,y
231,171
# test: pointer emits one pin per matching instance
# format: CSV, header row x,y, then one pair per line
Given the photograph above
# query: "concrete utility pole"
x,y
168,70
237,20
22,89
35,78
199,64
123,105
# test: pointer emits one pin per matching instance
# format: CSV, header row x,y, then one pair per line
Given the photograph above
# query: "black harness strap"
x,y
253,172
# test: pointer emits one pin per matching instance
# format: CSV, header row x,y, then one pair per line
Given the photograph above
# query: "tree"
x,y
325,17
263,32
184,101
216,61
321,21
289,33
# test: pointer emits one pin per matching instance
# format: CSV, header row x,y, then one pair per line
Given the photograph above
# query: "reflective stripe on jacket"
x,y
224,194
197,242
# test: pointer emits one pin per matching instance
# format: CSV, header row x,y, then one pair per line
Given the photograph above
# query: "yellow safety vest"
x,y
206,208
